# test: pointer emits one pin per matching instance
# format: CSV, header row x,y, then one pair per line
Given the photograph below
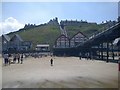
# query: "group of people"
x,y
16,58
12,58
36,55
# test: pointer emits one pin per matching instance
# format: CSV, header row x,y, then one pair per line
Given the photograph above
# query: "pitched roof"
x,y
16,36
79,33
6,37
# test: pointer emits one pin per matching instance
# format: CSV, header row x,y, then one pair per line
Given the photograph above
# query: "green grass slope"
x,y
47,33
87,28
40,34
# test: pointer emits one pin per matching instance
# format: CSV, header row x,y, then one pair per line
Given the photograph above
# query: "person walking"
x,y
9,59
80,55
14,58
21,58
18,57
5,59
51,61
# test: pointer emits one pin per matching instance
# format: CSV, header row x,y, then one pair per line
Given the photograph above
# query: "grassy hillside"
x,y
87,28
40,34
47,33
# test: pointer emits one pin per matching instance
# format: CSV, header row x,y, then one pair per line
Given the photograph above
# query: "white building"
x,y
42,47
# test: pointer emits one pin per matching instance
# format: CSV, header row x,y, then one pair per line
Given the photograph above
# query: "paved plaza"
x,y
67,72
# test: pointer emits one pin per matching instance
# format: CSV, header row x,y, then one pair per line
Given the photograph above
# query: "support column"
x,y
102,51
99,51
107,52
91,53
113,56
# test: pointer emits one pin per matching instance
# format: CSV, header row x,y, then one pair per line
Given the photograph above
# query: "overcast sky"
x,y
15,15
